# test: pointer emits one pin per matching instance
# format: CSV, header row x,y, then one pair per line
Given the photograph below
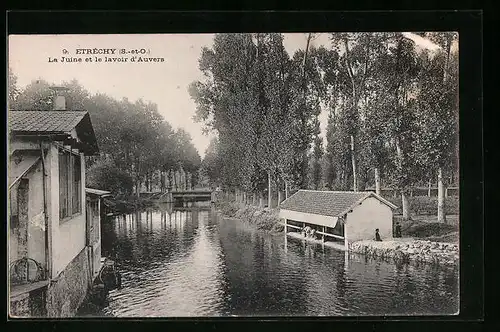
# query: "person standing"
x,y
398,230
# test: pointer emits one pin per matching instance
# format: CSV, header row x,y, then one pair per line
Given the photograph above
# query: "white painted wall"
x,y
36,230
67,238
36,227
309,218
365,218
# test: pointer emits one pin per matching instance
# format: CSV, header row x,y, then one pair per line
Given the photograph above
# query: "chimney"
x,y
59,101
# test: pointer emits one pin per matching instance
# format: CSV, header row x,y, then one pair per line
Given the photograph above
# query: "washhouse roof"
x,y
328,203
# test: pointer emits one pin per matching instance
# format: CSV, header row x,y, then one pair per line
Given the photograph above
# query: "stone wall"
x,y
20,307
67,291
29,305
407,251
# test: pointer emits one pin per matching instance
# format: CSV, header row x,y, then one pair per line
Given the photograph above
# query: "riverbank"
x,y
422,242
124,205
408,250
262,218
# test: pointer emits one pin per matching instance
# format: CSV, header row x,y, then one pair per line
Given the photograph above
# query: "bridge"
x,y
181,196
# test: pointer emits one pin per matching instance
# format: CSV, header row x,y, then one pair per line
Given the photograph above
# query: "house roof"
x,y
20,164
97,192
328,203
57,124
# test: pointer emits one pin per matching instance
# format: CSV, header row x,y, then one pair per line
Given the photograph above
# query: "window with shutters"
x,y
70,185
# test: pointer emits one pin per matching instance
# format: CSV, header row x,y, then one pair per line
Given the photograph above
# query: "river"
x,y
192,262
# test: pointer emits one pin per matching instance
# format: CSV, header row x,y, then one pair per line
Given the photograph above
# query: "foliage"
x,y
13,90
135,142
105,175
263,106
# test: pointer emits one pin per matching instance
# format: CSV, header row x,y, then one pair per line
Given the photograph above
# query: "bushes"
x,y
263,219
105,175
427,205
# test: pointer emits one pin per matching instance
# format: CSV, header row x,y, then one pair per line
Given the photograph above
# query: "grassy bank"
x,y
424,205
424,240
427,228
262,218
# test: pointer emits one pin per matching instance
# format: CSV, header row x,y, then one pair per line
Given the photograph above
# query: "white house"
x,y
339,215
49,251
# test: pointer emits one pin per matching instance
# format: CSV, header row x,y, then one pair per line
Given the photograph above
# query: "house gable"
x,y
72,128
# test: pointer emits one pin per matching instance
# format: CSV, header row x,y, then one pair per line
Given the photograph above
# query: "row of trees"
x,y
138,148
392,113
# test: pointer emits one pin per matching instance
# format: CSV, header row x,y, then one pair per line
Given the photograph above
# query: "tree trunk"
x,y
286,190
377,181
441,206
406,205
279,197
354,166
170,178
175,180
441,189
429,188
269,193
138,188
404,197
162,182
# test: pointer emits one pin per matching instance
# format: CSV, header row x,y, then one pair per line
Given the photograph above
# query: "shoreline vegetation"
x,y
423,241
124,205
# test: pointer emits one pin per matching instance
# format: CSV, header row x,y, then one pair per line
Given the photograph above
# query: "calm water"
x,y
195,263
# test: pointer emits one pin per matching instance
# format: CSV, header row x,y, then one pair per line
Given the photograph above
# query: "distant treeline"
x,y
138,148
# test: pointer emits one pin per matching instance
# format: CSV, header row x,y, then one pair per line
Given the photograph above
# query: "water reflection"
x,y
186,261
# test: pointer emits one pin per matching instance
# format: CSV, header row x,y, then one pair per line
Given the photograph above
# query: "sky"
x,y
164,83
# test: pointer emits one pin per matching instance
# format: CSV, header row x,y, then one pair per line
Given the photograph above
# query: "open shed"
x,y
339,215
93,226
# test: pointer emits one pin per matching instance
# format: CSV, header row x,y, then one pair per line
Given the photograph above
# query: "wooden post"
x,y
286,226
346,241
286,243
323,237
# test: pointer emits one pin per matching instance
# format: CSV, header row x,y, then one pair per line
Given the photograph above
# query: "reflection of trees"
x,y
145,246
108,237
260,277
258,272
